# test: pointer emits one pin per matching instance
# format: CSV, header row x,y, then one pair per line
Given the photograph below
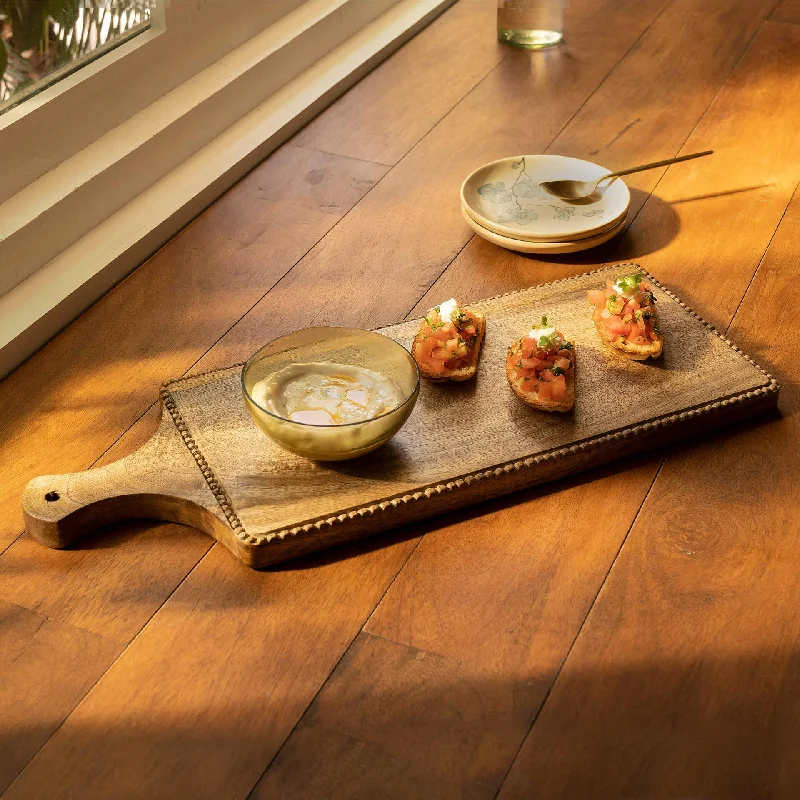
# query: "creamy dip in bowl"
x,y
331,393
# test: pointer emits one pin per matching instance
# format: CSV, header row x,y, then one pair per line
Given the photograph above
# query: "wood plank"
x,y
697,626
315,639
388,112
66,405
383,742
621,125
684,58
405,233
493,601
728,209
787,11
71,400
66,662
204,696
507,591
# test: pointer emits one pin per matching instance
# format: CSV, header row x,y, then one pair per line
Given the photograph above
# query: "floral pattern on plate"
x,y
524,194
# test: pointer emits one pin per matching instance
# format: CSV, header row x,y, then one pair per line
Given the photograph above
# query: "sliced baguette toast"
x,y
463,373
637,352
628,299
532,399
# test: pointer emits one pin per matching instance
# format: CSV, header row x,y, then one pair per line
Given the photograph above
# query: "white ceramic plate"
x,y
505,197
577,237
543,248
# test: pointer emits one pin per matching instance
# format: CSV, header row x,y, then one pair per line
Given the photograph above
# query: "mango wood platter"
x,y
209,466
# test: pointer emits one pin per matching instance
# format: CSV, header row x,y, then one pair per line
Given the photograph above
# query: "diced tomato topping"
x,y
626,323
563,363
446,346
559,388
617,327
427,346
441,334
535,365
597,297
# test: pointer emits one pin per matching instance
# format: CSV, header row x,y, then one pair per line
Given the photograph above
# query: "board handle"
x,y
159,481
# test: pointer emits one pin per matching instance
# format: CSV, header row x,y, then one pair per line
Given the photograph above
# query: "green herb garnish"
x,y
629,283
615,304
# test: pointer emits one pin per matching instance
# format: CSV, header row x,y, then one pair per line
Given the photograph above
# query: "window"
x,y
105,164
44,40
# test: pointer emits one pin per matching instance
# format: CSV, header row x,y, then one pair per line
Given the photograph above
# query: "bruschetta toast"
x,y
448,344
540,368
626,317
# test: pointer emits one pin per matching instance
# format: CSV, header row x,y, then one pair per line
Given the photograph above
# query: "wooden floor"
x,y
634,632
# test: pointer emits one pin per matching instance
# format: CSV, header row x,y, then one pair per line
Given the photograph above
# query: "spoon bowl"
x,y
575,191
587,191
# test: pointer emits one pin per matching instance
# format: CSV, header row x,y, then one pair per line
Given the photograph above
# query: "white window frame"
x,y
81,208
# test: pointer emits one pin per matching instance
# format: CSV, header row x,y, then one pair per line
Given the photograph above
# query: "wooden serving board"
x,y
210,467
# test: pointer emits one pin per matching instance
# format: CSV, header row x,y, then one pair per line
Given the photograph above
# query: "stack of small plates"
x,y
504,203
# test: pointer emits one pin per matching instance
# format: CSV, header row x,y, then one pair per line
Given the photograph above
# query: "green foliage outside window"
x,y
40,36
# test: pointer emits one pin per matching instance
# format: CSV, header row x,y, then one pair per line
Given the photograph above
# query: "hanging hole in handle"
x,y
51,497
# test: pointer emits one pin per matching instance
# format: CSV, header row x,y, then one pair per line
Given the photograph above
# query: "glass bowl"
x,y
339,346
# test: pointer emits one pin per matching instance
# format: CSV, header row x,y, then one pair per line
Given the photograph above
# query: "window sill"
x,y
132,203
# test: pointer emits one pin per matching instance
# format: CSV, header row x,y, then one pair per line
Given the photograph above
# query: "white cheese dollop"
x,y
537,333
447,309
632,287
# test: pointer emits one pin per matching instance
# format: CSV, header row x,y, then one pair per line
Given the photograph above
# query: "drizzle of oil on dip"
x,y
324,393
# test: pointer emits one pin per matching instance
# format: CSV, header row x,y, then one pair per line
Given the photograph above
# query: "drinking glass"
x,y
531,24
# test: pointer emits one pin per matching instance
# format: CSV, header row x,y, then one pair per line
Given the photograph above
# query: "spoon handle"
x,y
657,164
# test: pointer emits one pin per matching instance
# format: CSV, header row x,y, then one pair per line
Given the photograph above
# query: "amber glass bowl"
x,y
339,346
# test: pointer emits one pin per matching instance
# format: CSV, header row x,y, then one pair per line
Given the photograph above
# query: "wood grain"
x,y
400,238
215,470
113,582
66,662
205,695
729,209
684,56
76,396
506,591
696,626
348,574
671,62
492,599
372,730
787,11
174,706
388,112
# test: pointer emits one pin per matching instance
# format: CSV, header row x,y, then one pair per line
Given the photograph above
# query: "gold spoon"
x,y
582,190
